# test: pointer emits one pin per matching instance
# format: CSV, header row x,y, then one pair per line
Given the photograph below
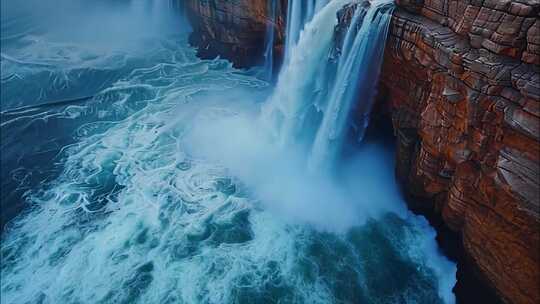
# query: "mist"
x,y
361,190
278,176
62,50
95,24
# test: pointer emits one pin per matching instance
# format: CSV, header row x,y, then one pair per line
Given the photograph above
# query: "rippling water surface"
x,y
133,172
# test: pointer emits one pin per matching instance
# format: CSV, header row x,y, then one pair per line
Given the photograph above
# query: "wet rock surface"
x,y
235,30
464,99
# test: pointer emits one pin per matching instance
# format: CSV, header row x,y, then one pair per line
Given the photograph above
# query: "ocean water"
x,y
134,172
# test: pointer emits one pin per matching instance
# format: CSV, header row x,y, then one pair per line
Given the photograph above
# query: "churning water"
x,y
149,176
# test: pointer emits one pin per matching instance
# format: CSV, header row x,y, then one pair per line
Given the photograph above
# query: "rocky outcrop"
x,y
235,30
462,82
504,27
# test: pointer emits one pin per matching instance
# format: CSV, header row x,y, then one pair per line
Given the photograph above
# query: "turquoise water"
x,y
139,173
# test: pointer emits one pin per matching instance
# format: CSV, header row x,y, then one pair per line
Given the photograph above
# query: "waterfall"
x,y
299,13
317,90
269,40
357,76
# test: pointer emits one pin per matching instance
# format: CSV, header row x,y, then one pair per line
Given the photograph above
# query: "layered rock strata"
x,y
236,29
463,86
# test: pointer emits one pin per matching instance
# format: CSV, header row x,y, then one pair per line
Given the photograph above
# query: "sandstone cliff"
x,y
463,85
234,30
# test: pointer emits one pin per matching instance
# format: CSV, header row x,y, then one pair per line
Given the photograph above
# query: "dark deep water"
x,y
134,172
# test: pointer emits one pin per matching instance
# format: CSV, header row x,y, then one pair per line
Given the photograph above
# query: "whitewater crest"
x,y
170,191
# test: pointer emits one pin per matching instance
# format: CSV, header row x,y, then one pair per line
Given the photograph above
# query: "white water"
x,y
297,89
314,97
171,192
355,82
268,66
299,13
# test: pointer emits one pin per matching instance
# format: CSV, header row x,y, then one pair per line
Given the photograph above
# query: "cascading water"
x,y
161,187
299,13
304,86
268,67
297,86
356,79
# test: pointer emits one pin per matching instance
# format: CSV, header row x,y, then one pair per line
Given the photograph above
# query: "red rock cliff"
x,y
463,84
234,30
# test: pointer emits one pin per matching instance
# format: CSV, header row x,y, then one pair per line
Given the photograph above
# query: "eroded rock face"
x,y
463,84
505,27
234,29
